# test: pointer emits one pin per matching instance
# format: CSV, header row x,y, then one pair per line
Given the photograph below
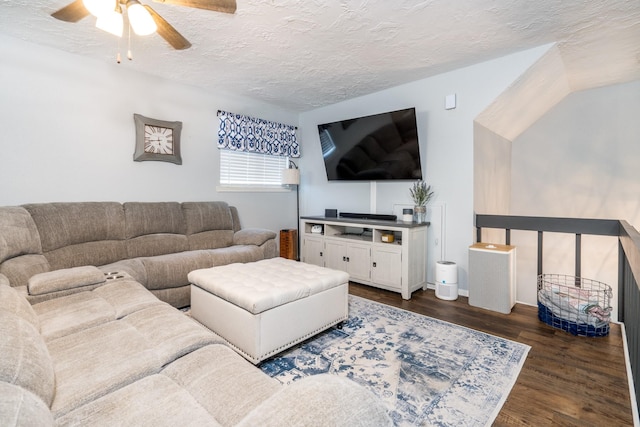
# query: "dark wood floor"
x,y
565,381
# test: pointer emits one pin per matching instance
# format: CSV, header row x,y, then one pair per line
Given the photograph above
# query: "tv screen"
x,y
377,147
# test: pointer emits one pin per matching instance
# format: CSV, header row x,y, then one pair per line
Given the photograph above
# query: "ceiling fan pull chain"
x,y
118,59
129,54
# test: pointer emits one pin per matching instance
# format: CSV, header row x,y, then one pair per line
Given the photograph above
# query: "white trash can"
x,y
446,280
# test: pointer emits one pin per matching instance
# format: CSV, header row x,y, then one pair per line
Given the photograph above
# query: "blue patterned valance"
x,y
243,133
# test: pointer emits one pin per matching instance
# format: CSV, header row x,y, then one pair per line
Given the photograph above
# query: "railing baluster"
x,y
539,253
622,278
578,270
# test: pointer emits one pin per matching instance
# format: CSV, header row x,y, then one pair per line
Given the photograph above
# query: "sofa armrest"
x,y
253,236
64,279
4,280
320,400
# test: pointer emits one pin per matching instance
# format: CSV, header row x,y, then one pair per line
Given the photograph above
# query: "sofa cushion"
x,y
154,229
170,271
88,253
236,218
153,218
63,279
13,302
210,239
19,407
126,297
62,225
209,224
253,236
205,374
72,313
169,332
24,359
96,361
18,233
320,400
152,401
19,269
156,244
233,254
206,216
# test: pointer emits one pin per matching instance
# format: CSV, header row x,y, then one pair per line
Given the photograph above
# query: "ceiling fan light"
x,y
100,7
111,22
141,20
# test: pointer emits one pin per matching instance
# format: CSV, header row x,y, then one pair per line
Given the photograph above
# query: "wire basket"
x,y
576,305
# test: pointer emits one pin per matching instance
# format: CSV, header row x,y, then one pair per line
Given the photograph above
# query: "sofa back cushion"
x,y
18,270
24,358
236,218
209,225
12,302
84,233
20,248
154,228
18,233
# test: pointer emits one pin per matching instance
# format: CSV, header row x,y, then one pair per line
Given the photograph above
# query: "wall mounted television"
x,y
372,148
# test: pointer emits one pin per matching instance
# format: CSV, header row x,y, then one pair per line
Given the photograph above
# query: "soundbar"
x,y
379,217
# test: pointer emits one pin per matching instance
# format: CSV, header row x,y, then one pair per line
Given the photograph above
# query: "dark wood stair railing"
x,y
628,262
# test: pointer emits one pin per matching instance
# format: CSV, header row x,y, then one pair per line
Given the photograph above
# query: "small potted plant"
x,y
421,194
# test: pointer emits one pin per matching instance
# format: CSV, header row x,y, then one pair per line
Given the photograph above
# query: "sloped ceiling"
x,y
303,54
541,87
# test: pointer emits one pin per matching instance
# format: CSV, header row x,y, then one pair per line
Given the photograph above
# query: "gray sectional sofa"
x,y
118,356
158,244
89,335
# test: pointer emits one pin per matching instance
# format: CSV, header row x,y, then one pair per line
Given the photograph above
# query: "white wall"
x,y
492,173
580,160
446,144
68,135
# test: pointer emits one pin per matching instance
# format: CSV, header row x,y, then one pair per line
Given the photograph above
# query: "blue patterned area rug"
x,y
427,371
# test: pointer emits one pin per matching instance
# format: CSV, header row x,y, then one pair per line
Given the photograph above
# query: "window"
x,y
243,169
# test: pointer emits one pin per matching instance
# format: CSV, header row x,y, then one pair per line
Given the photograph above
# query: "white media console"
x,y
363,248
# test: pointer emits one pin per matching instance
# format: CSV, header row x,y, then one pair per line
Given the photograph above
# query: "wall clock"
x,y
157,140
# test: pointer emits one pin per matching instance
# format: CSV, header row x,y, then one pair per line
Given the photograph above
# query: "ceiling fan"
x,y
79,9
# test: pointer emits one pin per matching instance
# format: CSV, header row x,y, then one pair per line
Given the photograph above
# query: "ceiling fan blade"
x,y
226,6
167,32
73,12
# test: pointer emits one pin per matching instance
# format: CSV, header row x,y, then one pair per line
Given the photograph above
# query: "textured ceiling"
x,y
303,54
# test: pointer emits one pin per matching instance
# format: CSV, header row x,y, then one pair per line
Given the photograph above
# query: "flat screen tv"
x,y
372,148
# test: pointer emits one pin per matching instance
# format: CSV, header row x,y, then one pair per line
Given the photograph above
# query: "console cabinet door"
x,y
358,261
336,255
354,258
313,251
386,266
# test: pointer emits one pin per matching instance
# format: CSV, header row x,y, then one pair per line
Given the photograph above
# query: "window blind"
x,y
241,168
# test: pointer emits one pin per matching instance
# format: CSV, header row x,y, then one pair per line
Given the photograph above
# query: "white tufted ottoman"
x,y
261,308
